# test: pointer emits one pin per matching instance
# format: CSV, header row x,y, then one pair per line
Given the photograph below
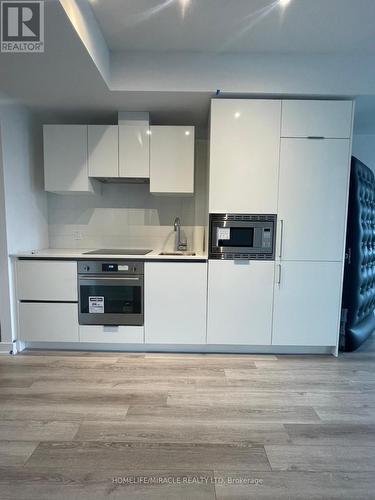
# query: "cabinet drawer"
x,y
330,119
112,334
48,322
46,280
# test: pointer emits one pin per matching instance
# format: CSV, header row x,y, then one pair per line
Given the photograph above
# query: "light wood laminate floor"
x,y
79,425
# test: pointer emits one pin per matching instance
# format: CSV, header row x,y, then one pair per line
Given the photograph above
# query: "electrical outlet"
x,y
77,235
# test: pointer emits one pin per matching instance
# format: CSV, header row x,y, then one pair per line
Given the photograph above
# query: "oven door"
x,y
105,300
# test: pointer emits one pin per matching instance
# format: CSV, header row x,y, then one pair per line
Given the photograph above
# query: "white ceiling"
x,y
64,85
304,26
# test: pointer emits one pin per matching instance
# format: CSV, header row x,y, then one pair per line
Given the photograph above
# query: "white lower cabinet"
x,y
175,302
40,280
48,322
307,303
111,334
240,296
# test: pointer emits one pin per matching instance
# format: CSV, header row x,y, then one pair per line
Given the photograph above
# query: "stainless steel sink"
x,y
188,254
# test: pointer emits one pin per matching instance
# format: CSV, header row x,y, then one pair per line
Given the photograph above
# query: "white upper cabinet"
x,y
244,155
175,302
313,185
307,303
103,150
134,145
329,119
172,159
65,159
240,298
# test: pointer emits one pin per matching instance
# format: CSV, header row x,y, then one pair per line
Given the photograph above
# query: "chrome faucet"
x,y
179,245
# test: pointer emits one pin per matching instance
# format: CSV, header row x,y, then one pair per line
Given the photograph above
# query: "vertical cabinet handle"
x,y
281,238
279,275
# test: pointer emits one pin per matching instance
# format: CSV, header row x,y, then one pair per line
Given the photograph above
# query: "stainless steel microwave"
x,y
242,236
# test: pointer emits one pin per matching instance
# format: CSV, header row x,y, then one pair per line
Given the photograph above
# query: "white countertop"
x,y
69,253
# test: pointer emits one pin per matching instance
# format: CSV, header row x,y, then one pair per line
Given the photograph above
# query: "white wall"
x,y
127,215
364,149
23,202
86,25
280,74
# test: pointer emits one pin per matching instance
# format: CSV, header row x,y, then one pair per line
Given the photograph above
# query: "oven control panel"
x,y
110,267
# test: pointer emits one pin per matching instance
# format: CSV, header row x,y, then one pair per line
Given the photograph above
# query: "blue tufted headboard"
x,y
359,275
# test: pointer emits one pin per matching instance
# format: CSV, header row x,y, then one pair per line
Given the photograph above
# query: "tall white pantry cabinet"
x,y
292,158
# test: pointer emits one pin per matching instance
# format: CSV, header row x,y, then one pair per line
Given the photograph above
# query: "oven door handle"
x,y
107,278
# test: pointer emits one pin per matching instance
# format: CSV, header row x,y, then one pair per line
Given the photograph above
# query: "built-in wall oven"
x,y
110,292
242,236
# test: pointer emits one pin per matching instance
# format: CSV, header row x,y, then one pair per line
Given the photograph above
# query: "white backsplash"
x,y
127,215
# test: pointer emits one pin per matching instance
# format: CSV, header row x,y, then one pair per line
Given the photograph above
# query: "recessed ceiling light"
x,y
187,132
284,3
237,114
148,132
184,5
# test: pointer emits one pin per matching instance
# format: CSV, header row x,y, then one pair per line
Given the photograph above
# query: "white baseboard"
x,y
222,349
6,347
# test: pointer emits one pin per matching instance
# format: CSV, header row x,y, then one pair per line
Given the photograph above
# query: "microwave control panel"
x,y
266,238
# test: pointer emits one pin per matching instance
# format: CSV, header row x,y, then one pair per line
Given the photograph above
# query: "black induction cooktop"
x,y
119,251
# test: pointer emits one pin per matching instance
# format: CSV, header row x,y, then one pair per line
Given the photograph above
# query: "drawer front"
x,y
112,334
329,119
48,322
46,280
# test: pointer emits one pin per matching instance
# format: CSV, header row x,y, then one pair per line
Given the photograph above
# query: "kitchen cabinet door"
x,y
314,118
65,159
240,300
104,334
48,322
244,155
314,176
307,303
103,150
172,160
175,302
46,280
134,146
